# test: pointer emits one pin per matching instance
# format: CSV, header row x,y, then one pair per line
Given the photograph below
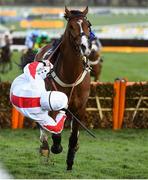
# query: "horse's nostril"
x,y
83,47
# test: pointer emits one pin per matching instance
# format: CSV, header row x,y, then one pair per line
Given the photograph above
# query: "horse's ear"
x,y
85,11
67,13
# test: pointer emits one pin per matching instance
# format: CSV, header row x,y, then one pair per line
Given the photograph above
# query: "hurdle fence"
x,y
117,108
117,105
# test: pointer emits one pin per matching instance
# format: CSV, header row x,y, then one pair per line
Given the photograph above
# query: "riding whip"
x,y
88,131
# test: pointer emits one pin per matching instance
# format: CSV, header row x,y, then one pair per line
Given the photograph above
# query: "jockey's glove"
x,y
47,63
64,109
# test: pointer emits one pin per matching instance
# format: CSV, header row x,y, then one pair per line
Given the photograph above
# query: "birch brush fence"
x,y
111,105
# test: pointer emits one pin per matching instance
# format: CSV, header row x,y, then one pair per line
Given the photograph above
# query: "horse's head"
x,y
78,28
95,49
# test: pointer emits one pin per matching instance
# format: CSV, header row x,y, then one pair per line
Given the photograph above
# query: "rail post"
x,y
17,119
121,102
116,104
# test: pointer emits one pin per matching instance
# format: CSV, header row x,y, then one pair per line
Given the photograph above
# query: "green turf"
x,y
132,66
121,154
10,75
116,19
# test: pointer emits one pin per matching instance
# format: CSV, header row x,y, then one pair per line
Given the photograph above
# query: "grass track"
x,y
121,154
132,66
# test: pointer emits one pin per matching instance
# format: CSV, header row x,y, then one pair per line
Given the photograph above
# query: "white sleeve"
x,y
31,70
36,70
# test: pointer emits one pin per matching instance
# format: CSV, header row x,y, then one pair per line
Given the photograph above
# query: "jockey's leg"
x,y
53,100
48,123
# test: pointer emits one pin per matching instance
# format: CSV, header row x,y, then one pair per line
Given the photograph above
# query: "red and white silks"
x,y
29,96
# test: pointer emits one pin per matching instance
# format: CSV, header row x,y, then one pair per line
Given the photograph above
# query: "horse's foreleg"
x,y
44,148
73,145
56,148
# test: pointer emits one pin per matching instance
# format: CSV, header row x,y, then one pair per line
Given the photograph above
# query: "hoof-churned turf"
x,y
114,154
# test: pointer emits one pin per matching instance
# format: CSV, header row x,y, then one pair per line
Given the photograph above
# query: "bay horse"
x,y
5,59
70,74
95,59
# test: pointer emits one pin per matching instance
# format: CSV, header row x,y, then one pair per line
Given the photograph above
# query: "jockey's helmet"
x,y
44,35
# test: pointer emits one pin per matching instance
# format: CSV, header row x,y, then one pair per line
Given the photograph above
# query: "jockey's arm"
x,y
37,71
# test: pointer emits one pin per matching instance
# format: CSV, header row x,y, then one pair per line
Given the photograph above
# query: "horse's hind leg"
x,y
10,65
56,148
73,145
3,68
44,148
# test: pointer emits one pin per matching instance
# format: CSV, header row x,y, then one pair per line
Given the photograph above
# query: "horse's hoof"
x,y
44,149
44,152
69,168
56,149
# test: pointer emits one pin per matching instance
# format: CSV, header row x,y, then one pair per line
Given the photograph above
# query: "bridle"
x,y
72,38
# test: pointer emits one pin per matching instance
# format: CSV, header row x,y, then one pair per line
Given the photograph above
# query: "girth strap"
x,y
61,83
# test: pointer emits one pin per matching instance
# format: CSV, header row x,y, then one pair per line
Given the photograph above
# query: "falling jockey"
x,y
29,96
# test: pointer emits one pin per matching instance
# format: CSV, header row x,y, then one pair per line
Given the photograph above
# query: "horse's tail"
x,y
27,58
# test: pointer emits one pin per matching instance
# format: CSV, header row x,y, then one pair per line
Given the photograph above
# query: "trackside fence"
x,y
115,105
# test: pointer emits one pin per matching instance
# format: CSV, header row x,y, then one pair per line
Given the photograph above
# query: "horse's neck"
x,y
70,62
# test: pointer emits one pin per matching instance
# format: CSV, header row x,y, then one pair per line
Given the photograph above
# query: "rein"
x,y
87,130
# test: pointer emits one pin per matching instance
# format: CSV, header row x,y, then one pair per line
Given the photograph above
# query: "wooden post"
x,y
116,104
21,121
15,118
121,102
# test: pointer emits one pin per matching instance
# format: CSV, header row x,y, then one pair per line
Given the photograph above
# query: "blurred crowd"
x,y
137,3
